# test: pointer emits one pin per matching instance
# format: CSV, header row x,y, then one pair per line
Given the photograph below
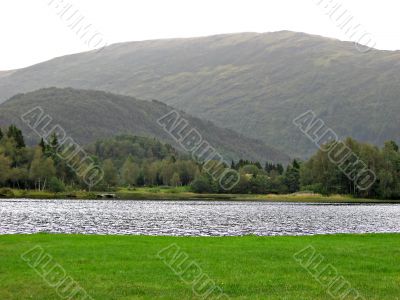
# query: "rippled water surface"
x,y
194,218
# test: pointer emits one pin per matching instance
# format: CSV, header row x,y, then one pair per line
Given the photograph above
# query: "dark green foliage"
x,y
125,160
296,164
279,168
244,162
272,167
56,185
54,141
260,184
43,145
251,169
321,175
292,177
135,147
201,185
16,134
140,161
140,180
392,145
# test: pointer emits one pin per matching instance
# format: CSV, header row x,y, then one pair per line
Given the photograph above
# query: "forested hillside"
x,y
88,116
253,83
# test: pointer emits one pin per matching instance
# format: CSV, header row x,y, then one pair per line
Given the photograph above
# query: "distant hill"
x,y
252,83
5,73
91,115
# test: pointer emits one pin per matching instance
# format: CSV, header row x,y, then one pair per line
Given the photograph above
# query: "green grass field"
x,y
127,267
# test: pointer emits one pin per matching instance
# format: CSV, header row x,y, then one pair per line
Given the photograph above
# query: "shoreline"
x,y
174,194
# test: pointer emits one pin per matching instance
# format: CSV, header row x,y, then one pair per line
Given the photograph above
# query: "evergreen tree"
x,y
280,169
54,142
42,145
292,177
16,134
258,165
296,164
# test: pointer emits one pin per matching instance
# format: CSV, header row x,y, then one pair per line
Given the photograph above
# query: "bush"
x,y
317,188
201,185
56,185
260,185
6,193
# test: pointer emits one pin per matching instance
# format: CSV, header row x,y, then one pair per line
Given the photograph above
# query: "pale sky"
x,y
31,31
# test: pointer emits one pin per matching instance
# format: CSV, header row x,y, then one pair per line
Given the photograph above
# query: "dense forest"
x,y
131,161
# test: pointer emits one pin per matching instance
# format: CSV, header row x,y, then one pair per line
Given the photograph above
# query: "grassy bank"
x,y
184,193
127,267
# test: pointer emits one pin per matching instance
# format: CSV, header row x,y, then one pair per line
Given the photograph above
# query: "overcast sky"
x,y
31,31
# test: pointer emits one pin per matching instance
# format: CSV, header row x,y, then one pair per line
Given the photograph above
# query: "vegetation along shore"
x,y
144,168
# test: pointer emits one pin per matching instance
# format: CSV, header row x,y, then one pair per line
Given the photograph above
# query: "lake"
x,y
194,218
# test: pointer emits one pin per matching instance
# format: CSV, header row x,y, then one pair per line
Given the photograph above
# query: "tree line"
x,y
132,161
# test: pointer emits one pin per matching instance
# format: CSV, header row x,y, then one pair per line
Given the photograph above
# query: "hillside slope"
x,y
252,83
91,115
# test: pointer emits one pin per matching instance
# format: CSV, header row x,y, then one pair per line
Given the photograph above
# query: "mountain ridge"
x,y
253,83
88,116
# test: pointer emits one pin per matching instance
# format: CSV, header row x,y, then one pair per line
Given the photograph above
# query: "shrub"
x,y
6,193
317,188
56,185
201,185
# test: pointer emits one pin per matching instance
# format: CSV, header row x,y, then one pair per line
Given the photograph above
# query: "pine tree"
x,y
296,164
258,165
280,169
16,134
292,177
54,142
42,145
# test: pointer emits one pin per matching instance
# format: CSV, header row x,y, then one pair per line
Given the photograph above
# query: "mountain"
x,y
255,84
5,73
87,116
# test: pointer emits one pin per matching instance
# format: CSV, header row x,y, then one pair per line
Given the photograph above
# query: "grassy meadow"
x,y
250,267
